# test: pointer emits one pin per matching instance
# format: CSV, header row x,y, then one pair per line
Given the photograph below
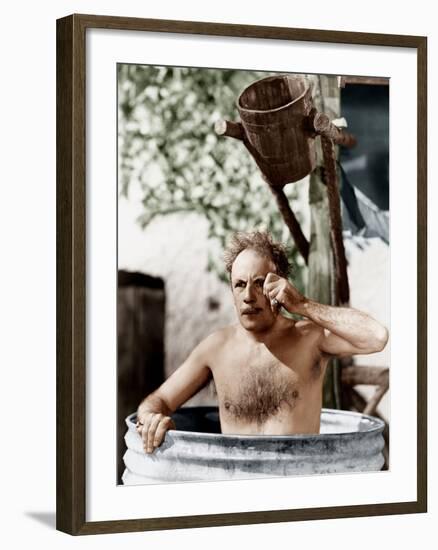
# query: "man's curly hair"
x,y
262,243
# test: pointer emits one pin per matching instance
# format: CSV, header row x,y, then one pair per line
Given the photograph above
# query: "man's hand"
x,y
280,292
152,428
153,413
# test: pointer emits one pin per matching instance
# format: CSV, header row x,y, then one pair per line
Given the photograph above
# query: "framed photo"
x,y
163,154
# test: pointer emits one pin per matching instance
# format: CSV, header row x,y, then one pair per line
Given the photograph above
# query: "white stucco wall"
x,y
369,276
175,248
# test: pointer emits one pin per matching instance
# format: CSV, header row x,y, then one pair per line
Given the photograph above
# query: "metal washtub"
x,y
348,442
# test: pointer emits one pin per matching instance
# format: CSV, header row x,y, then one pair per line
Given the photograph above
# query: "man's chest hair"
x,y
258,393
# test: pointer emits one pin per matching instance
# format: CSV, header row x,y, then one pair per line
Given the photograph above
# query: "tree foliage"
x,y
167,145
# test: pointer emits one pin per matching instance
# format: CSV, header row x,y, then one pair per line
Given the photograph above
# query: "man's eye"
x,y
260,283
239,284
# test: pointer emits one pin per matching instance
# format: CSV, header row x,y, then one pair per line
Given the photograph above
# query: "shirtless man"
x,y
268,369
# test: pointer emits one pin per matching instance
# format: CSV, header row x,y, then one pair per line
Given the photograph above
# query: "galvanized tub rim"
x,y
376,425
187,455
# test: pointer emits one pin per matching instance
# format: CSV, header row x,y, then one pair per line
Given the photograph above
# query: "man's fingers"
x,y
272,290
144,428
271,277
268,289
154,430
142,419
275,290
270,284
165,424
273,297
149,433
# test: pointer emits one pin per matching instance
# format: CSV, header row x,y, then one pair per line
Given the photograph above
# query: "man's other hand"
x,y
152,428
279,290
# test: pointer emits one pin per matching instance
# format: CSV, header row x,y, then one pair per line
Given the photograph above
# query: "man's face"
x,y
248,275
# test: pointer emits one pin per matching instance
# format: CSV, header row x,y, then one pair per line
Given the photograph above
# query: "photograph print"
x,y
253,274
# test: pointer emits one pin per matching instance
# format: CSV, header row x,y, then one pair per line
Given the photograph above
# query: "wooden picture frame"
x,y
72,265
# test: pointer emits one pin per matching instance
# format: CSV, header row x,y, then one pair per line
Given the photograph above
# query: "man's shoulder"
x,y
307,328
219,337
308,334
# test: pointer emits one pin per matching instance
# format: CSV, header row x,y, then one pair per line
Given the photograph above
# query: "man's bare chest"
x,y
255,385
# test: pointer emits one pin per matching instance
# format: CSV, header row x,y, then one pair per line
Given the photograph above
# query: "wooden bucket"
x,y
274,113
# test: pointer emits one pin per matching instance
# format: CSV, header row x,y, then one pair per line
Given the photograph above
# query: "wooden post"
x,y
321,282
342,287
321,273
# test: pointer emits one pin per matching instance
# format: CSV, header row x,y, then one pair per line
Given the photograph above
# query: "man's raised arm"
x,y
346,331
153,413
